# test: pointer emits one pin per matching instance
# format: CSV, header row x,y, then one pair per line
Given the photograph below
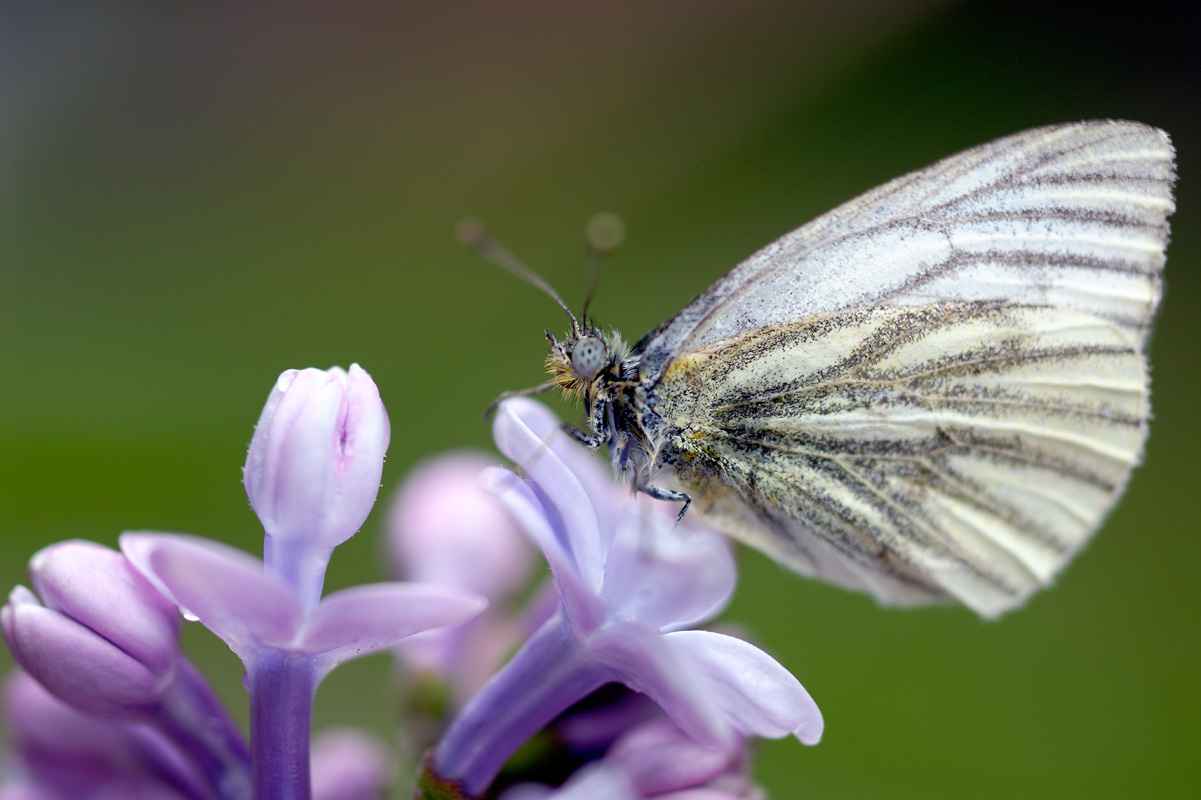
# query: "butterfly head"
x,y
585,359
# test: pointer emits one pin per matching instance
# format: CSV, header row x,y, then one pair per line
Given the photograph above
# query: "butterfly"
x,y
934,392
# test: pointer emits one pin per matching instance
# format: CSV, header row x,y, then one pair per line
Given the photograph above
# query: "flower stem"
x,y
281,689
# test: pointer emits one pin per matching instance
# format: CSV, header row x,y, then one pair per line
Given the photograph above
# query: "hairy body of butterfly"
x,y
936,391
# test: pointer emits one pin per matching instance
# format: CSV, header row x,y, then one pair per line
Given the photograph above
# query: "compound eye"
x,y
588,356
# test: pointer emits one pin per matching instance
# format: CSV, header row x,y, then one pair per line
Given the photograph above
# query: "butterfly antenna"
x,y
472,233
603,233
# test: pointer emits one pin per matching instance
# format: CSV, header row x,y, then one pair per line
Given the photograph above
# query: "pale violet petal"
x,y
223,587
74,663
99,588
362,451
363,619
756,692
527,432
583,607
252,473
662,574
646,662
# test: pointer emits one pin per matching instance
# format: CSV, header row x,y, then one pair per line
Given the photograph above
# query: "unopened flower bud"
x,y
314,466
100,637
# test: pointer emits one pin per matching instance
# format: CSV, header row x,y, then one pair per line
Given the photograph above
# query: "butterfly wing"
x,y
938,389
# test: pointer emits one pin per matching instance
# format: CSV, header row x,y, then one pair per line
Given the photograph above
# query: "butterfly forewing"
x,y
938,389
1070,215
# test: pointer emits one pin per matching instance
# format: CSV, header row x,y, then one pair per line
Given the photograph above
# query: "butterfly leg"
x,y
592,441
659,493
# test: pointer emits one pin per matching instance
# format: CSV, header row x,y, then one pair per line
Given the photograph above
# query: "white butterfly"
x,y
935,391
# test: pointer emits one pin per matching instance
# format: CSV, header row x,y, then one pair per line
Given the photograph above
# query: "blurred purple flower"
x,y
350,765
313,469
629,580
444,528
60,753
105,642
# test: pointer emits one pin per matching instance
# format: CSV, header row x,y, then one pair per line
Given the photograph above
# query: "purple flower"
x,y
287,649
349,765
444,528
100,638
312,475
256,613
105,642
313,469
630,581
60,753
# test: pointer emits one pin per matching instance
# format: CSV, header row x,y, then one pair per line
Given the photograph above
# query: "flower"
x,y
312,475
100,638
349,765
313,469
286,648
60,753
255,612
630,582
105,642
444,528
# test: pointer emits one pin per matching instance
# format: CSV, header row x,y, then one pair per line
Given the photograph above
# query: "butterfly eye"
x,y
588,356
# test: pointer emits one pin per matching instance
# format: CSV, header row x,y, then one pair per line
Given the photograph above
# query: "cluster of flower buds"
x,y
603,665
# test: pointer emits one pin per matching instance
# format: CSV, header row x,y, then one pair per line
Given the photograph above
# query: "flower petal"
x,y
646,662
658,757
74,663
583,607
665,575
223,587
755,691
98,587
528,433
363,619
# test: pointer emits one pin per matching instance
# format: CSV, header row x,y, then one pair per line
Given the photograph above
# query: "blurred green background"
x,y
194,197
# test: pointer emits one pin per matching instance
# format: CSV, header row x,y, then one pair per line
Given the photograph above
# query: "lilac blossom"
x,y
350,765
57,752
312,475
286,650
630,583
102,640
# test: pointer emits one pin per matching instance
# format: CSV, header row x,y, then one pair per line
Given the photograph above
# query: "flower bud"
x,y
99,588
314,466
100,638
55,752
74,662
